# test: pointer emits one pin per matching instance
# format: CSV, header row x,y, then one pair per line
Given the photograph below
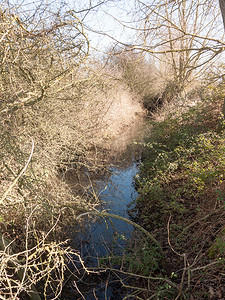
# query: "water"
x,y
103,238
115,193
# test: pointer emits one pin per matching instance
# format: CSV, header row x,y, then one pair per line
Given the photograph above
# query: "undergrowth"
x,y
181,199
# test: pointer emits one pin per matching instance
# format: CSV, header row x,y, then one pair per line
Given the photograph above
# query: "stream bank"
x,y
181,196
181,200
100,239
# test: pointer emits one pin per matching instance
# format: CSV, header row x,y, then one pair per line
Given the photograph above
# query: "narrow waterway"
x,y
101,238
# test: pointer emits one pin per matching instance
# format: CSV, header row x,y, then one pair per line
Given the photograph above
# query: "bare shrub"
x,y
38,58
141,75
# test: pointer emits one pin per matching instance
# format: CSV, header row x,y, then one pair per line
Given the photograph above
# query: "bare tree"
x,y
185,36
38,49
182,34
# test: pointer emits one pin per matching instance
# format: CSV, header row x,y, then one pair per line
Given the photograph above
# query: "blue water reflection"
x,y
103,236
102,239
117,192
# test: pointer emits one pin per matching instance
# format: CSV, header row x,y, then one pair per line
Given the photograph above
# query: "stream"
x,y
100,238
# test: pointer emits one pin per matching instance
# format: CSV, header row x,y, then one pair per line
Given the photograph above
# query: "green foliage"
x,y
218,248
180,162
165,291
144,260
182,196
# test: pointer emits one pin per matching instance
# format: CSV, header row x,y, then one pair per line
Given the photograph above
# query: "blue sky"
x,y
102,18
107,18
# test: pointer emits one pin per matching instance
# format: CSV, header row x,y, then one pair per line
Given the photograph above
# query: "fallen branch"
x,y
86,211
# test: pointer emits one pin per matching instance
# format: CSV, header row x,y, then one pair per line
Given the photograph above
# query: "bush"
x,y
33,142
141,76
181,194
184,159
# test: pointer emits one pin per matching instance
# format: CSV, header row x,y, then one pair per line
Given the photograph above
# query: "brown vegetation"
x,y
55,114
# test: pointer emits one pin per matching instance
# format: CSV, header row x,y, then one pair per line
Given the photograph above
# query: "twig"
x,y
142,276
182,278
21,274
208,265
198,220
168,234
184,255
20,174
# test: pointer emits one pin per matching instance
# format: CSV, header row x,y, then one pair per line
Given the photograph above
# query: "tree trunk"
x,y
222,9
